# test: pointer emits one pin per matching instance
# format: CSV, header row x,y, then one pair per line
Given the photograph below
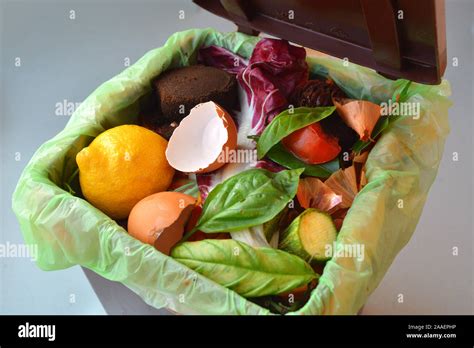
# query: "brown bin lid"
x,y
397,38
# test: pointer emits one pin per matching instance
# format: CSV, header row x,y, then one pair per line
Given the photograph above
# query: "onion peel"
x,y
360,115
313,193
347,183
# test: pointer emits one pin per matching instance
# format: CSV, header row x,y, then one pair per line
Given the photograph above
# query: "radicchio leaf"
x,y
204,182
265,98
269,165
221,58
274,70
282,63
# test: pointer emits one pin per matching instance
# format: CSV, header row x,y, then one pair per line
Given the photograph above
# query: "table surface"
x,y
65,59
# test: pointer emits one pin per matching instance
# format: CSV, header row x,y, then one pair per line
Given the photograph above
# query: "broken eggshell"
x,y
203,138
159,219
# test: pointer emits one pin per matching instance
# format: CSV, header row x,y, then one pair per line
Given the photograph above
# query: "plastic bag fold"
x,y
69,231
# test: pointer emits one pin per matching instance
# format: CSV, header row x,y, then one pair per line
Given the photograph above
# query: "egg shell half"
x,y
159,219
198,142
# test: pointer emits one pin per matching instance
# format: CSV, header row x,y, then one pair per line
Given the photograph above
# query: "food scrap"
x,y
347,183
160,219
259,159
360,115
203,140
313,193
312,145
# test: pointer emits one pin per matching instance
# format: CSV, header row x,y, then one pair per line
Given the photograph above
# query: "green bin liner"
x,y
69,231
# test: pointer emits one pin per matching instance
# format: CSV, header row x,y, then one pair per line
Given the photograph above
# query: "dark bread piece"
x,y
179,90
154,121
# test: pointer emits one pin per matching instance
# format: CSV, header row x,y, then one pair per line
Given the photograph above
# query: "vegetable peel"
x,y
347,183
313,193
360,115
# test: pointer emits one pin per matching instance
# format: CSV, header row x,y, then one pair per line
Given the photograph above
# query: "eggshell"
x,y
160,219
200,140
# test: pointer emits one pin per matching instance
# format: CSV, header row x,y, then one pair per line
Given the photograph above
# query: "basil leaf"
x,y
401,93
253,137
279,155
247,199
286,123
249,272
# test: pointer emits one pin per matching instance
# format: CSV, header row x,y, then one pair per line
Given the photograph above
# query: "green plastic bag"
x,y
69,231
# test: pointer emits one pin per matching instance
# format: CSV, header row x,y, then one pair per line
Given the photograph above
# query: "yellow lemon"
x,y
122,166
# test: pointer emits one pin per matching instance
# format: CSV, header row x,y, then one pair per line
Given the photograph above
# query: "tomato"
x,y
311,145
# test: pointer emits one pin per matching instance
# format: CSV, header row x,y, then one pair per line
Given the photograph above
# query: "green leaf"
x,y
247,199
249,272
402,92
191,189
279,155
253,137
286,123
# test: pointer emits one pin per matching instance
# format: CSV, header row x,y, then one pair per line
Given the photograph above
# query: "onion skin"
x,y
360,115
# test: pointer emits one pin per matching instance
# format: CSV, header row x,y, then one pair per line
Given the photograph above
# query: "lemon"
x,y
122,166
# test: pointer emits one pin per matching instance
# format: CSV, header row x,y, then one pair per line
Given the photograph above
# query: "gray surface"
x,y
68,59
117,299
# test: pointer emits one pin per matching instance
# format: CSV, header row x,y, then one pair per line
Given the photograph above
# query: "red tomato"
x,y
311,145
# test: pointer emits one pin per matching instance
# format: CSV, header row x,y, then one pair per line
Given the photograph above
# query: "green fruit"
x,y
309,235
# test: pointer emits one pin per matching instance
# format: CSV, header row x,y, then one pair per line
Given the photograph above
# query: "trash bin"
x,y
400,168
